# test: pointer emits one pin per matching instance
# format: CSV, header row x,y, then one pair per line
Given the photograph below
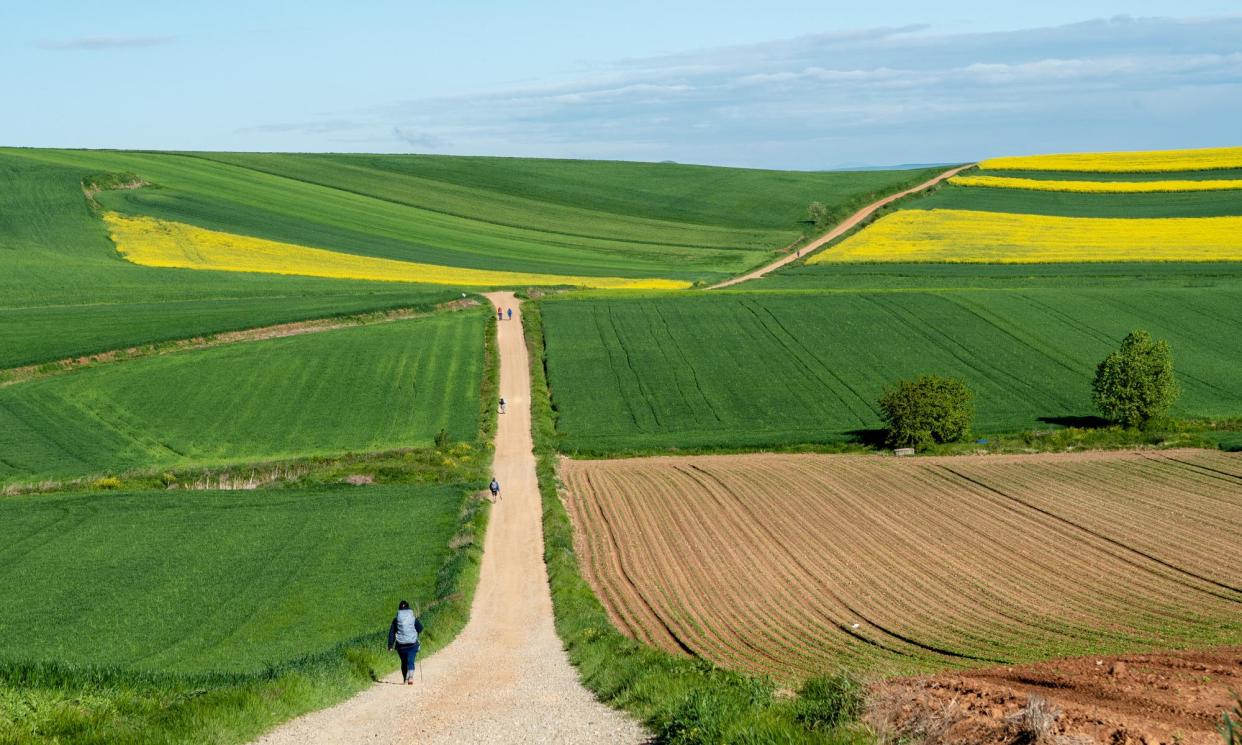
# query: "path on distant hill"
x,y
505,678
848,224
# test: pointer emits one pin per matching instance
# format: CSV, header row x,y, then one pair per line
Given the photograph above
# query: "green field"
x,y
214,581
1208,175
64,291
886,276
359,389
753,370
1078,204
636,220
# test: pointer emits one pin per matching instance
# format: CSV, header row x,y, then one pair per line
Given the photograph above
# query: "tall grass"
x,y
682,700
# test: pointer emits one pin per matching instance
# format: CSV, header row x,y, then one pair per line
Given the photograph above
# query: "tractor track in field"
x,y
38,371
505,678
839,230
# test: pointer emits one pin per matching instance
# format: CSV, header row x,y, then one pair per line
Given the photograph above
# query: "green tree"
x,y
927,410
817,213
1135,384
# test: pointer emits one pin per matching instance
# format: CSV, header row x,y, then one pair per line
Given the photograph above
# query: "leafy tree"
x,y
927,410
1135,384
817,213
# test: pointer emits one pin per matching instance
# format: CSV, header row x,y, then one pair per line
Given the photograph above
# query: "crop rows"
x,y
356,389
1096,186
160,243
792,565
210,581
754,370
997,237
1137,161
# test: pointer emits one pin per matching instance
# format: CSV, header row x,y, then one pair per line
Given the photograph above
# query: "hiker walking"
x,y
403,635
510,312
502,404
500,314
495,488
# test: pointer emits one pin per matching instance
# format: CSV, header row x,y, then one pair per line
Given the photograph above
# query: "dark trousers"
x,y
407,653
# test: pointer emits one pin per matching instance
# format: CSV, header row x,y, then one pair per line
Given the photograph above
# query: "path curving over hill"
x,y
842,228
505,678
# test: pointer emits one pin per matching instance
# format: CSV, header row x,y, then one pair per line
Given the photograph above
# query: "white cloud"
x,y
880,95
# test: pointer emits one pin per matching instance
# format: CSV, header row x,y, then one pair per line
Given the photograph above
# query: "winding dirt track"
x,y
848,224
505,678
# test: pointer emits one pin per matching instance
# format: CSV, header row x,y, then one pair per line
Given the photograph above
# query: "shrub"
x,y
817,214
107,482
442,439
830,700
1135,384
927,410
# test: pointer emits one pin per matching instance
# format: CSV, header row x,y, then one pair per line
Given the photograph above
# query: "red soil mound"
x,y
1166,697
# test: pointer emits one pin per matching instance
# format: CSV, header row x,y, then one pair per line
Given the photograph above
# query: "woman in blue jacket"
x,y
403,635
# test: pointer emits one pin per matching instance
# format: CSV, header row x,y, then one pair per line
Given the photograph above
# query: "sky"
x,y
780,83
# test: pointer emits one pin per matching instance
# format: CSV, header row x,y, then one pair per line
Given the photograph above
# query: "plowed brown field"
x,y
795,564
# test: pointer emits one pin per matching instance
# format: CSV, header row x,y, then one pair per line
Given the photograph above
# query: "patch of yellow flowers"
x,y
999,237
1156,160
1099,187
161,243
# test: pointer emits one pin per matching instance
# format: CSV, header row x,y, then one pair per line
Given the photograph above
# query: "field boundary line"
x,y
41,370
840,229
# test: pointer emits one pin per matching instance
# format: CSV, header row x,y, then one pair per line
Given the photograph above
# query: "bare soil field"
x,y
1173,697
793,565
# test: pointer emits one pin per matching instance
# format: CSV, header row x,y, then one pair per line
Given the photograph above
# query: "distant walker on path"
x,y
495,488
502,404
510,312
403,635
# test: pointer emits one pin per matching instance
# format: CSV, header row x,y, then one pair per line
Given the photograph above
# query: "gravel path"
x,y
843,227
505,678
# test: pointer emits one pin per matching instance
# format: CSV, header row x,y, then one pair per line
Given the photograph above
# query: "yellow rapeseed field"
x,y
969,236
152,242
1155,160
1114,187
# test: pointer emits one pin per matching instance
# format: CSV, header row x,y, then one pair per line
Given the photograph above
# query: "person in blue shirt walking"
x,y
403,635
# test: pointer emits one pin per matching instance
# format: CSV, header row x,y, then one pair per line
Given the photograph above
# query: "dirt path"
x,y
842,228
505,678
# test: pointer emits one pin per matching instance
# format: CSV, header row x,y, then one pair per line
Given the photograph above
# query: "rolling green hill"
x,y
359,389
64,291
637,220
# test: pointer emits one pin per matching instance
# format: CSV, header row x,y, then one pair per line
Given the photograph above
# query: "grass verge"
x,y
683,700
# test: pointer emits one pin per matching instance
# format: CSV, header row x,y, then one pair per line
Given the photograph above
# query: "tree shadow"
x,y
1081,422
872,438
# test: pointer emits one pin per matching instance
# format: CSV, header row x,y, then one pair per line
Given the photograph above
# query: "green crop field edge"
x,y
683,700
62,702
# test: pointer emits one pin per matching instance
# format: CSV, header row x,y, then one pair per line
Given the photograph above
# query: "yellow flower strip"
x,y
999,237
161,243
1155,160
1112,187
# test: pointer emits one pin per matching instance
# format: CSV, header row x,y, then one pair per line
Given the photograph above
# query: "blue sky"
x,y
781,83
